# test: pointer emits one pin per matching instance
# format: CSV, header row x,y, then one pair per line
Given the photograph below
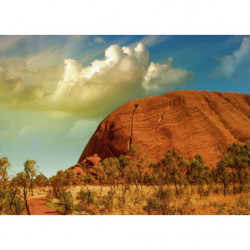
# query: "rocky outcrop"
x,y
94,160
87,165
189,122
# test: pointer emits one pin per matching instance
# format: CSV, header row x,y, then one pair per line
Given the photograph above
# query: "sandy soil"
x,y
38,206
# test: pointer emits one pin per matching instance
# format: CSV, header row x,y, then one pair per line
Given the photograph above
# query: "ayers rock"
x,y
189,122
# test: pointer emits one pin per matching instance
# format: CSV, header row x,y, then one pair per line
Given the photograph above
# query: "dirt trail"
x,y
37,206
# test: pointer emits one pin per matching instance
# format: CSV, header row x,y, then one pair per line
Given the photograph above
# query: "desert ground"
x,y
104,200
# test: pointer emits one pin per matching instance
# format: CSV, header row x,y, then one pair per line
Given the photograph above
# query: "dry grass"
x,y
38,192
134,201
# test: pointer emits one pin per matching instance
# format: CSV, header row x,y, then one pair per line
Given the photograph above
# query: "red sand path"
x,y
37,206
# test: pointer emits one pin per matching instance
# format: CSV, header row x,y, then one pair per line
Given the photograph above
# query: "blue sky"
x,y
56,89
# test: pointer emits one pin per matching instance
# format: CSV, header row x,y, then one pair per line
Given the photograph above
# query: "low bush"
x,y
161,204
107,201
88,202
66,201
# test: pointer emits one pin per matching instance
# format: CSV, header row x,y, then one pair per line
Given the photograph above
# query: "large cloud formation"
x,y
229,65
124,73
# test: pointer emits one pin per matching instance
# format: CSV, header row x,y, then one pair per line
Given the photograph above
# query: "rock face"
x,y
189,122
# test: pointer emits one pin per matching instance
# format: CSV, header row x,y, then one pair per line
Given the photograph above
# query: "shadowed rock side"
x,y
189,122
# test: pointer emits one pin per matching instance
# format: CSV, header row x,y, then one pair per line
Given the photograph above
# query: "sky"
x,y
55,90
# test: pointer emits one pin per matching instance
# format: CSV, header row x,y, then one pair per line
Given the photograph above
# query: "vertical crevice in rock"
x,y
106,124
132,124
159,121
105,127
110,150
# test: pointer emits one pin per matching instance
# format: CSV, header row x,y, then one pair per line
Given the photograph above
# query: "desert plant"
x,y
175,168
58,183
160,204
66,201
199,173
88,201
89,178
22,181
139,162
4,165
239,161
186,208
15,205
111,167
31,169
121,202
244,202
70,177
100,175
108,201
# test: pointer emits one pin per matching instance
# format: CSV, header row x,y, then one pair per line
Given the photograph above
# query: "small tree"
x,y
40,181
100,174
139,161
239,161
222,172
158,174
22,180
31,169
198,173
66,200
70,177
89,178
111,167
126,176
58,182
175,167
88,201
4,165
44,181
130,175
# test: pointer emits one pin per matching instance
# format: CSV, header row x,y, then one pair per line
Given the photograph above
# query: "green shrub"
x,y
244,202
66,200
88,202
160,204
108,201
16,207
157,207
121,202
187,207
89,178
11,204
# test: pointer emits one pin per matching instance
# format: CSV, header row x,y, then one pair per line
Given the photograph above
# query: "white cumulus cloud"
x,y
160,76
123,74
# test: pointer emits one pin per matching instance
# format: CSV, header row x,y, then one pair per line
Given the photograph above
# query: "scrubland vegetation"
x,y
90,200
133,185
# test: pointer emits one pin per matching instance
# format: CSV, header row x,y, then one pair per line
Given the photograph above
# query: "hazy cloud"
x,y
151,40
28,132
99,40
78,130
7,42
229,65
